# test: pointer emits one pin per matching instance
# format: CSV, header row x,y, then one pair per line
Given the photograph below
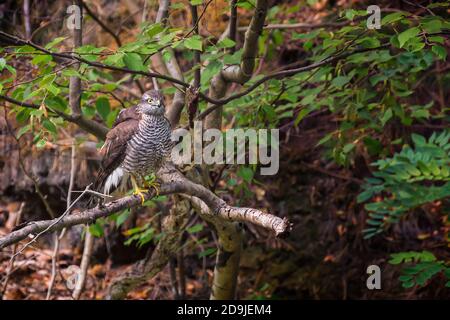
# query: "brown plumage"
x,y
114,149
136,145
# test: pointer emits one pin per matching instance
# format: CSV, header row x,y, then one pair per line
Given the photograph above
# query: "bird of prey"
x,y
136,146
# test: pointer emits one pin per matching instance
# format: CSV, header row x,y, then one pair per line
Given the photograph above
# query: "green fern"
x,y
411,178
423,266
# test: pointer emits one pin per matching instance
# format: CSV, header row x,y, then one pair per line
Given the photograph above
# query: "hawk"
x,y
137,145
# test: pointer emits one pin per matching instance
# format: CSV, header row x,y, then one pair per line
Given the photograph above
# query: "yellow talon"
x,y
152,183
140,192
155,185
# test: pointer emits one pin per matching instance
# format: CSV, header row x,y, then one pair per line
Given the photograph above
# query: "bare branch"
x,y
50,226
19,41
87,251
172,67
13,257
286,73
243,73
172,230
163,11
235,73
88,125
233,23
301,25
57,238
217,83
173,182
226,268
74,81
26,18
101,24
87,216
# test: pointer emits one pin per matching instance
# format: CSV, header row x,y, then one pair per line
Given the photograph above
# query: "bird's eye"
x,y
150,100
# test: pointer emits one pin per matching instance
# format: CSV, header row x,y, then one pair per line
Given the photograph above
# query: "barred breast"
x,y
149,147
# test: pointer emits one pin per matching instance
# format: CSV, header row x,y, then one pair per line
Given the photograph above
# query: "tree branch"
x,y
230,239
101,24
172,229
239,74
173,67
74,81
217,82
173,182
19,41
233,23
301,25
88,125
286,73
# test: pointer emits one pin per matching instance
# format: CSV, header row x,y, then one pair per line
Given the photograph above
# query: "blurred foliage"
x,y
411,178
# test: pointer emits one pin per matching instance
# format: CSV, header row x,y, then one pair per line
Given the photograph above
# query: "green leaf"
x,y
115,59
421,114
226,43
407,35
194,43
348,147
196,2
88,111
207,252
418,139
440,51
56,103
11,69
386,116
364,196
103,107
54,42
196,228
2,63
392,17
23,130
325,139
111,118
71,73
47,124
437,39
433,26
154,29
303,113
96,230
176,6
340,81
133,61
41,59
41,143
122,217
53,89
234,58
246,174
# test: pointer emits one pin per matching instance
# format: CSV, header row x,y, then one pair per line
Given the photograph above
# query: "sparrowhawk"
x,y
136,146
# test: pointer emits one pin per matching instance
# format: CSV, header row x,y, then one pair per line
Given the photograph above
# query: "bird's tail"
x,y
106,184
93,200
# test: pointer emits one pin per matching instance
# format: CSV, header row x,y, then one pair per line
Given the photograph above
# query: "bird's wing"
x,y
114,148
127,114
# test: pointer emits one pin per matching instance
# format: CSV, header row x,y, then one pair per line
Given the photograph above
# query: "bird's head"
x,y
152,103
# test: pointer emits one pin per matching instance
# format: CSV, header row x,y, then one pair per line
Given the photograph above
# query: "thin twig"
x,y
233,24
87,251
101,24
11,261
53,223
57,238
